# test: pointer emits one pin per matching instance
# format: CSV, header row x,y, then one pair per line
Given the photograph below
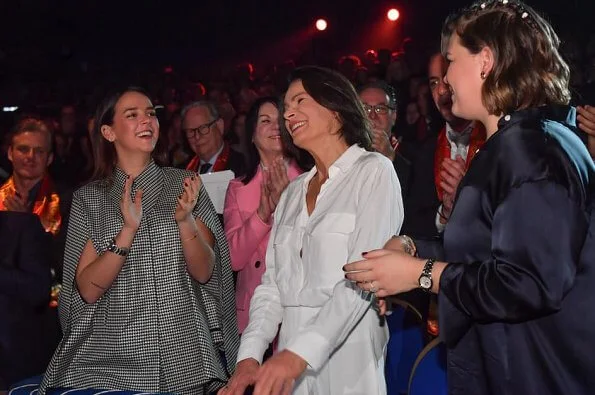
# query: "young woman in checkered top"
x,y
147,302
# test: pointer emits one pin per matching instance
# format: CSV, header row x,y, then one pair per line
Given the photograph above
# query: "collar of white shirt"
x,y
342,164
214,158
463,137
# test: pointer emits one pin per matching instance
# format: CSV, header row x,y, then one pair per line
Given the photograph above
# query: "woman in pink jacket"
x,y
251,200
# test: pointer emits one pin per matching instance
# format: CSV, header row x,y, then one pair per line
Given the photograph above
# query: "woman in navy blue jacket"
x,y
516,274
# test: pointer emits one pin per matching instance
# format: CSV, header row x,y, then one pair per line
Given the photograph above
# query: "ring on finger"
x,y
373,287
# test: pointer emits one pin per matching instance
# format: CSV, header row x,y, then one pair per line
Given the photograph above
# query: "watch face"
x,y
425,282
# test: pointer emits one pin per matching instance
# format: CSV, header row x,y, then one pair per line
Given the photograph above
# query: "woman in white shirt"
x,y
331,339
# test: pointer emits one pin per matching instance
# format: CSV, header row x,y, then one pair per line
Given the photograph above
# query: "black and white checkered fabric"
x,y
156,329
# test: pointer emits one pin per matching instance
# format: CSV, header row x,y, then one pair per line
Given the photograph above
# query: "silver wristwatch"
x,y
112,247
425,279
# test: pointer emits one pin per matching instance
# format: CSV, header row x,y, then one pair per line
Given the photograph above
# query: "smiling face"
x,y
135,128
204,133
30,154
267,137
307,122
440,89
383,120
463,77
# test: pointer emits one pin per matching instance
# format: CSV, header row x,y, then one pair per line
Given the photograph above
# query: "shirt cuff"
x,y
312,347
251,348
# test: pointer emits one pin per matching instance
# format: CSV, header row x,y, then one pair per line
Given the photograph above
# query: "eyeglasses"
x,y
379,109
202,129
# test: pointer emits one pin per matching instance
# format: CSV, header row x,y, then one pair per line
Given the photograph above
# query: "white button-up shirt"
x,y
325,319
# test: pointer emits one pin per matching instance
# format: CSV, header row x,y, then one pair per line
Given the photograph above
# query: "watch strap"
x,y
113,247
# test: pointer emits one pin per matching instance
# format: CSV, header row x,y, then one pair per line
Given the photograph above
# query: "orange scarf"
x,y
46,205
220,163
478,136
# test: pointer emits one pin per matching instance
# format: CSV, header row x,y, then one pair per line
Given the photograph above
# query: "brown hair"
x,y
35,125
334,92
104,151
528,69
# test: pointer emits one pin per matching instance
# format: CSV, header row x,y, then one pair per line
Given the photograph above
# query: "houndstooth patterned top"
x,y
156,329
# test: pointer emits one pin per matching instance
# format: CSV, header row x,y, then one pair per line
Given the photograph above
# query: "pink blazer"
x,y
247,236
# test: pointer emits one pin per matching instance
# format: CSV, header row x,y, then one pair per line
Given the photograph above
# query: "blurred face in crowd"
x,y
376,103
239,126
135,126
267,137
204,134
440,89
423,100
68,120
412,114
30,154
309,123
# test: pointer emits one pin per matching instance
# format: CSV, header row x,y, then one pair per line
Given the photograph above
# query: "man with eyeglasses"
x,y
203,128
380,103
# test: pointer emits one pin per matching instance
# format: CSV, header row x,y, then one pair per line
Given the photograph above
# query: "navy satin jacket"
x,y
517,301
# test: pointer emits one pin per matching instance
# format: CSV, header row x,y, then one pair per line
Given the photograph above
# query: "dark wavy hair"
x,y
528,68
104,151
253,159
334,92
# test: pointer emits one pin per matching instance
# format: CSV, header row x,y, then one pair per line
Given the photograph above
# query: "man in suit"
x,y
29,331
203,127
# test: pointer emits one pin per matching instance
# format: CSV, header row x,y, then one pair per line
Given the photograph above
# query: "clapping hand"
x,y
381,143
451,174
16,202
188,198
132,209
274,182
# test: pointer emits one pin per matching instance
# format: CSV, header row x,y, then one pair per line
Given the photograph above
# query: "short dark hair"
x,y
528,68
333,91
383,86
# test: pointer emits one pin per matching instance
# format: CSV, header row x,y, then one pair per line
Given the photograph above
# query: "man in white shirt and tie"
x,y
203,128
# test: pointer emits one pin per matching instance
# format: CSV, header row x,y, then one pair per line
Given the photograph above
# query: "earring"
x,y
483,75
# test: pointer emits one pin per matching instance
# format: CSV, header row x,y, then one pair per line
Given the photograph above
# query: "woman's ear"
x,y
486,57
108,133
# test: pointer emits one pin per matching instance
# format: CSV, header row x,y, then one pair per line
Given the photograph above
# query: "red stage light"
x,y
392,14
321,24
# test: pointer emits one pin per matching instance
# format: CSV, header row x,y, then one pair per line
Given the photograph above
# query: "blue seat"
x,y
428,376
404,345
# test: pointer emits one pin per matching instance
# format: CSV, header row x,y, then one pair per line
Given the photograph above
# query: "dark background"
x,y
63,43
